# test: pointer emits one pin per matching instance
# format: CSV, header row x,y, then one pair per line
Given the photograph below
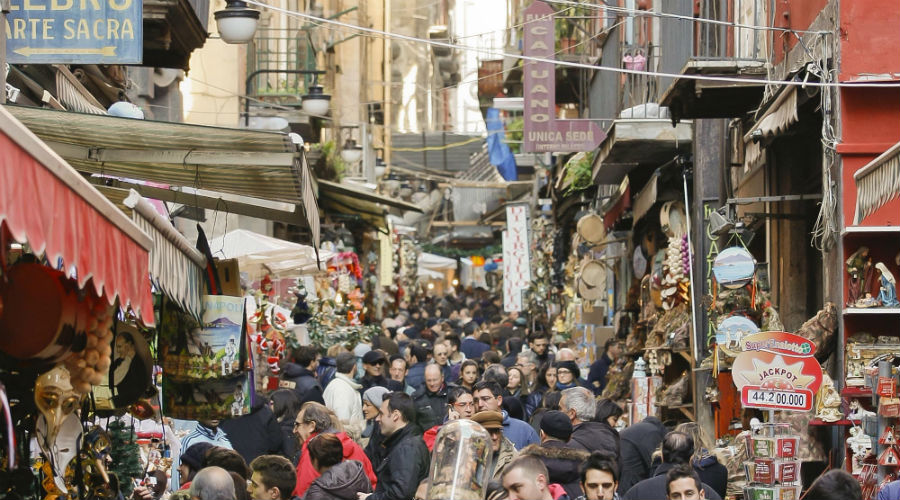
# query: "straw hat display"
x,y
592,280
591,228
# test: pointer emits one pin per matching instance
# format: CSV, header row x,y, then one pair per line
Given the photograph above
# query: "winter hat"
x,y
193,456
571,366
556,424
375,395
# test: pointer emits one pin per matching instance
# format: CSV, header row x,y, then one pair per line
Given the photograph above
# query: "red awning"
x,y
48,204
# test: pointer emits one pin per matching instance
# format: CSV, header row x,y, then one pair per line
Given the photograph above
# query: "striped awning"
x,y
257,164
244,162
877,183
176,267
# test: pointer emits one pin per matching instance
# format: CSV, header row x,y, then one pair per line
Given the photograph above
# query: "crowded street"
x,y
449,250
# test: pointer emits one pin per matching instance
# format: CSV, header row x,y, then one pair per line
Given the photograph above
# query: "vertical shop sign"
x,y
777,371
75,32
516,262
543,132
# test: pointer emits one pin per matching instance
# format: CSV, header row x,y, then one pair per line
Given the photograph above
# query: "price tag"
x,y
776,399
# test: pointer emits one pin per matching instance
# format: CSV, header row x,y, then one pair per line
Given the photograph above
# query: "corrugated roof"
x,y
434,150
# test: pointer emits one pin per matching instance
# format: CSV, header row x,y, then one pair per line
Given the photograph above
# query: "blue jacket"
x,y
473,349
891,491
520,433
416,375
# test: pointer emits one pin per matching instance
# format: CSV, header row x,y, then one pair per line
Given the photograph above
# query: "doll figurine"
x,y
887,295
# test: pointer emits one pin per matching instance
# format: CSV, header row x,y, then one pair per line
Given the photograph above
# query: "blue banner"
x,y
75,32
501,156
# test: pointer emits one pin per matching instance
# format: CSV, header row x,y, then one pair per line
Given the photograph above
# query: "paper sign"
x,y
777,371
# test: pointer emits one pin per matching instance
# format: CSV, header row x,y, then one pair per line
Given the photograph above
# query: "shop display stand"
x,y
772,465
883,243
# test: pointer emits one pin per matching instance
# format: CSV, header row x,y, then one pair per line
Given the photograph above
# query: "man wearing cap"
x,y
503,449
431,399
561,460
489,397
373,365
342,395
472,347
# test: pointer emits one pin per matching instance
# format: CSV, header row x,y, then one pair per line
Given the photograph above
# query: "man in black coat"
x,y
407,461
677,450
578,403
256,433
557,453
300,375
638,443
600,368
431,399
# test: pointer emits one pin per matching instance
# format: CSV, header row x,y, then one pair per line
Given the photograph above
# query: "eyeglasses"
x,y
464,405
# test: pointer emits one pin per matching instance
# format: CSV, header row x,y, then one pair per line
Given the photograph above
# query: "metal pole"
x,y
4,10
250,78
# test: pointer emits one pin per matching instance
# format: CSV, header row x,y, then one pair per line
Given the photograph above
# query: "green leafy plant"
x,y
514,134
330,166
579,171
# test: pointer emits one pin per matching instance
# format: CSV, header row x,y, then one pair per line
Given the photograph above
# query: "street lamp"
x,y
352,151
314,103
237,22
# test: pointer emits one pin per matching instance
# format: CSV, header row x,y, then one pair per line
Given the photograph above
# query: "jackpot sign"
x,y
75,32
543,133
777,371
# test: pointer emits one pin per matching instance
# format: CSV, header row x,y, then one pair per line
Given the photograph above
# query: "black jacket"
x,y
562,461
340,482
637,444
255,434
655,487
289,440
375,449
597,374
596,436
713,473
431,407
303,382
404,467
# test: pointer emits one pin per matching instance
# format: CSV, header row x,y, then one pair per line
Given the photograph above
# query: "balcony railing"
x,y
275,50
737,41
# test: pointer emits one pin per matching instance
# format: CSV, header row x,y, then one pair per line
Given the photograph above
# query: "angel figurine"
x,y
887,295
828,404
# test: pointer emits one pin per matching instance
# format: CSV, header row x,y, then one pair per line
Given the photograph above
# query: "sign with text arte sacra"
x,y
75,32
543,133
777,371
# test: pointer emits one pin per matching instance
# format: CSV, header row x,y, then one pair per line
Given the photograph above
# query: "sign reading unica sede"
x,y
777,371
543,132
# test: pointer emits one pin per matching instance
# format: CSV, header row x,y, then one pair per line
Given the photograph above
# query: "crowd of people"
x,y
361,424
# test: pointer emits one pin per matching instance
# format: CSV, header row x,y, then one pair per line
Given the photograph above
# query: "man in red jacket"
x,y
313,419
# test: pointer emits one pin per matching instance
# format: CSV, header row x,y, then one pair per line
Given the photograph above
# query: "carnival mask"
x,y
96,450
55,399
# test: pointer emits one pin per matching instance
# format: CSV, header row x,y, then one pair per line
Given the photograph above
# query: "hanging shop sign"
x,y
777,371
542,131
516,262
75,32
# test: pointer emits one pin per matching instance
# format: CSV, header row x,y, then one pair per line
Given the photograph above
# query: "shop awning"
x,y
257,254
369,206
253,163
48,204
780,115
176,267
634,142
877,183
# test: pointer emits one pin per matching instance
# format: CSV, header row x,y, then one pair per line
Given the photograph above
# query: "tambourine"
x,y
39,314
593,272
673,218
591,228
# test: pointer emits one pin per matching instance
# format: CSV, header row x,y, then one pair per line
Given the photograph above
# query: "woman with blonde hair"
x,y
711,472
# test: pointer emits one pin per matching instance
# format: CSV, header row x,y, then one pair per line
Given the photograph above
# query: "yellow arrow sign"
x,y
41,51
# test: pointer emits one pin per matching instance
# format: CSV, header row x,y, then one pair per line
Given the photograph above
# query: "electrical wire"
x,y
495,53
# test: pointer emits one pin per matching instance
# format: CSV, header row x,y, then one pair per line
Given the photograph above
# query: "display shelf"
x,y
843,422
856,391
854,230
871,310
